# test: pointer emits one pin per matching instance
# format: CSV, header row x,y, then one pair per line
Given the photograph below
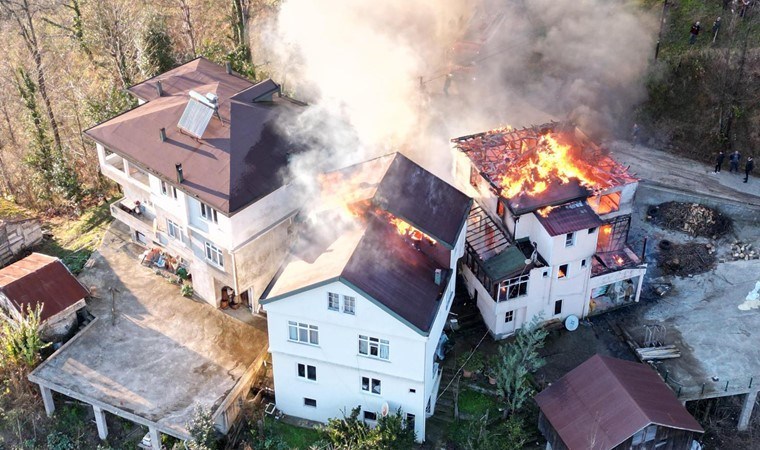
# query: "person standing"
x,y
694,32
635,135
715,29
733,161
750,164
719,161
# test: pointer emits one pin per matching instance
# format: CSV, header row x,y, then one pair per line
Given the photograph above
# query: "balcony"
x,y
119,170
126,211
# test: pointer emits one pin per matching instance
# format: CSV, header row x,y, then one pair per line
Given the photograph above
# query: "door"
x,y
140,238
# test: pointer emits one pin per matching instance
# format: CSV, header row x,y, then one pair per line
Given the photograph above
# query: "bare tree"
x,y
114,35
187,25
22,13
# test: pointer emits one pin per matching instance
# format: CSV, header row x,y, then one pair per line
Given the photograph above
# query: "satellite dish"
x,y
571,323
528,261
384,409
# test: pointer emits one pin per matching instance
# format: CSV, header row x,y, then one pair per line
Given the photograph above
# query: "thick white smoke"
x,y
359,64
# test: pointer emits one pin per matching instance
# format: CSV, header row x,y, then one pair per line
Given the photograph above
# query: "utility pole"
x,y
662,25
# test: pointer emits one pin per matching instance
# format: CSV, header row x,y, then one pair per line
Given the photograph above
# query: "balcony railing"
x,y
125,211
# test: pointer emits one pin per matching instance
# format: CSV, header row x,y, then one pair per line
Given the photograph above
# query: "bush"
x,y
60,441
186,290
391,433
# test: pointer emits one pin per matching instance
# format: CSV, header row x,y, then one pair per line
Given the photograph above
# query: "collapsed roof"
x,y
605,401
241,154
544,165
40,279
370,253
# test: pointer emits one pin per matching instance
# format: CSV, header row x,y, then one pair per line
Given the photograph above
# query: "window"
x,y
349,304
410,420
583,263
309,402
513,288
333,301
168,190
510,316
474,174
377,348
646,435
412,391
308,372
592,230
209,213
558,307
371,385
569,239
562,271
370,415
546,274
173,230
301,332
499,208
214,254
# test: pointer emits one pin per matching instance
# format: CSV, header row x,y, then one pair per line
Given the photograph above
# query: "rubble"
x,y
691,218
742,251
685,259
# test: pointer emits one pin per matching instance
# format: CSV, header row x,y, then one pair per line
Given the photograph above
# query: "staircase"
x,y
437,425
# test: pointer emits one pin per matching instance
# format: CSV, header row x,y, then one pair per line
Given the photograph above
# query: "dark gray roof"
x,y
607,400
240,158
568,218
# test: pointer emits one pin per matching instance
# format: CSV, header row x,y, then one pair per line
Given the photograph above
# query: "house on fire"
x,y
547,233
356,314
199,162
607,403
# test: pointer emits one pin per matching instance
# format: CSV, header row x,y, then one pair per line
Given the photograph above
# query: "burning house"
x,y
356,314
548,231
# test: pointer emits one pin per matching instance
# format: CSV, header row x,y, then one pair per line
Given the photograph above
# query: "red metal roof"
x,y
568,218
605,401
42,279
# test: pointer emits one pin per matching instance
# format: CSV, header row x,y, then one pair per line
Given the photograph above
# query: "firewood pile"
x,y
742,251
686,259
656,353
691,218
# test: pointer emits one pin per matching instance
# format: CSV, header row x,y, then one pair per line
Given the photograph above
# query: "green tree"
x,y
349,432
20,341
201,428
517,360
156,49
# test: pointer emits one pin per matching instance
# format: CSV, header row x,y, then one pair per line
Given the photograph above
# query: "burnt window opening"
x,y
500,208
562,273
609,203
512,288
613,235
474,174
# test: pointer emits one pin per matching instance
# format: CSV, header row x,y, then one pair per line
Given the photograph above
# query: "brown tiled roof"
x,y
568,218
240,158
605,401
43,279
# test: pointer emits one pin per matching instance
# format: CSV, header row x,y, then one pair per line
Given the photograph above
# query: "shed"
x,y
42,279
607,403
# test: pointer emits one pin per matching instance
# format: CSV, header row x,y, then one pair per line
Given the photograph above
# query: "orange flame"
x,y
546,210
618,259
550,161
405,229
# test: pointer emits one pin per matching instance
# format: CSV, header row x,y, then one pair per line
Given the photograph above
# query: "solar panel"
x,y
196,116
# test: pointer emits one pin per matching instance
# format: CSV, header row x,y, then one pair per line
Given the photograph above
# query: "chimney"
x,y
159,88
180,177
228,66
438,276
163,134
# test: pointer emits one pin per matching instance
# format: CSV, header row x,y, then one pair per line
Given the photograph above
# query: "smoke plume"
x,y
409,75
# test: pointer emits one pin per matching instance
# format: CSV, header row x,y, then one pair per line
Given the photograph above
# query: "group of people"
x,y
734,160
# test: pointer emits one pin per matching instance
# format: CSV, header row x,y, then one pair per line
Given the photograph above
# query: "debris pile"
x,y
654,353
742,251
685,259
691,218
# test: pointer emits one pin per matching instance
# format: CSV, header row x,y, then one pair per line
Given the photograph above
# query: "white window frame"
x,y
509,317
173,230
371,384
303,333
349,300
168,190
505,286
214,251
208,213
570,239
374,345
306,368
309,399
333,301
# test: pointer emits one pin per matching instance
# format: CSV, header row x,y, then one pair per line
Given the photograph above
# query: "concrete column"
x,y
638,288
155,438
749,404
100,421
47,400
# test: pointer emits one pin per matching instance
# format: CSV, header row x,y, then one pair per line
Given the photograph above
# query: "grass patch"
x,y
11,211
476,404
73,240
293,436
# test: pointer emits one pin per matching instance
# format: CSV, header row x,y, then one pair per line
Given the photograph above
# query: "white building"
x,y
555,249
356,314
200,164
